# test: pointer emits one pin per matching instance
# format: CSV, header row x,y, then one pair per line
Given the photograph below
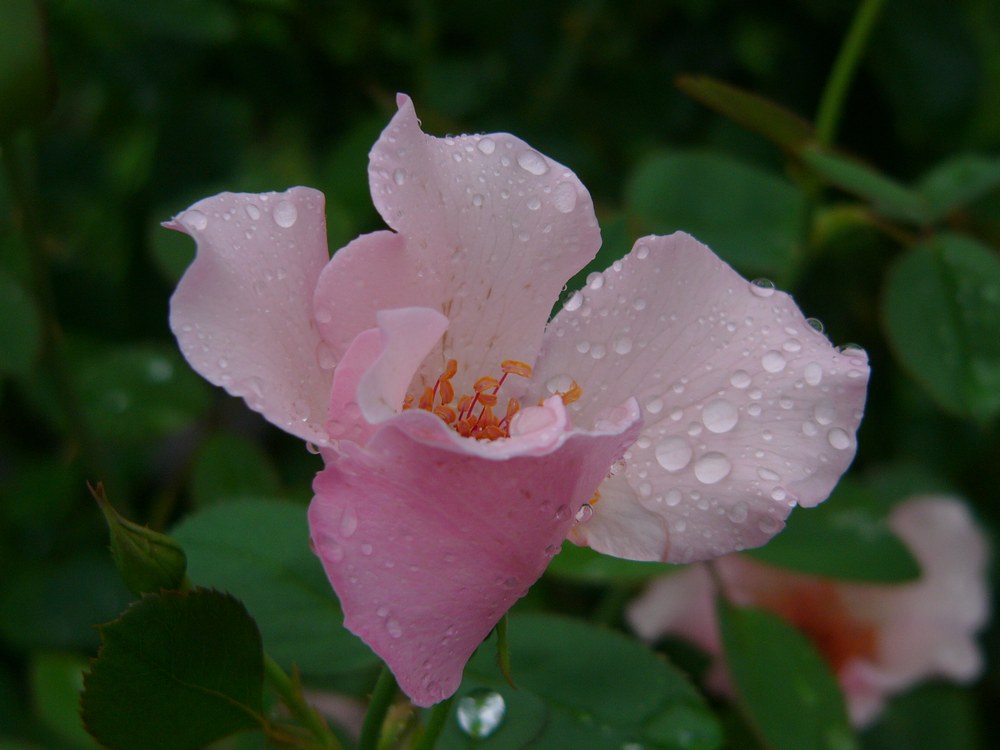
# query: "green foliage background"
x,y
128,111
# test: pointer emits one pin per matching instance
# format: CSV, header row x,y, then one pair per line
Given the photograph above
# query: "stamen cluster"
x,y
462,416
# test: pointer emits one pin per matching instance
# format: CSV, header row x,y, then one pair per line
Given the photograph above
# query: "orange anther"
x,y
573,394
465,426
446,413
515,367
447,391
487,417
491,432
427,399
408,401
450,368
513,407
464,404
488,399
485,383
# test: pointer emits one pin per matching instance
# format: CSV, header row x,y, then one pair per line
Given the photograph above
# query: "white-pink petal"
x,y
489,231
242,312
748,409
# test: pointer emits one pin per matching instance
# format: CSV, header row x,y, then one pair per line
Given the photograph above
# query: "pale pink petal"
x,y
748,409
408,335
490,230
880,639
638,534
345,419
428,543
242,312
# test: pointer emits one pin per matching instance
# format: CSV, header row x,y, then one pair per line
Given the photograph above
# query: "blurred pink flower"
x,y
670,411
878,639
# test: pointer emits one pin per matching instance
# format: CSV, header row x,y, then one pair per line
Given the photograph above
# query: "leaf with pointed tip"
x,y
778,124
785,688
958,181
176,671
887,197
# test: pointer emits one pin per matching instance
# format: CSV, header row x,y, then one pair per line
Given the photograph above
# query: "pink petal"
x,y
489,231
428,541
748,409
242,312
345,420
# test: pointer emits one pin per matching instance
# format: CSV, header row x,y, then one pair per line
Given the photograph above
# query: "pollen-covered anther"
x,y
484,425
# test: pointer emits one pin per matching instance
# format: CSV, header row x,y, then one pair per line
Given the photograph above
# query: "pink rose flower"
x,y
669,411
878,639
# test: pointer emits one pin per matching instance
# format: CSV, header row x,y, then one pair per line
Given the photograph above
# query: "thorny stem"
x,y
382,696
832,101
291,695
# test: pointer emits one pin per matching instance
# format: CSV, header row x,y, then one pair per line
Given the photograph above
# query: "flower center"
x,y
474,414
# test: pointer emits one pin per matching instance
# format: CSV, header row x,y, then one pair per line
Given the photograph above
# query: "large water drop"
x,y
481,712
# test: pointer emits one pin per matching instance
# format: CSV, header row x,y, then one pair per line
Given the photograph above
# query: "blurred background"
x,y
159,103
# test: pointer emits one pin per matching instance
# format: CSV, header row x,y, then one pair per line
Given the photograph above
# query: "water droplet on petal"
x,y
813,373
533,162
595,280
253,212
816,324
838,439
623,345
394,628
486,145
654,405
585,513
348,523
194,219
564,197
720,416
285,214
824,413
739,512
574,302
642,252
773,361
740,379
712,467
673,453
399,176
481,712
562,512
533,203
762,287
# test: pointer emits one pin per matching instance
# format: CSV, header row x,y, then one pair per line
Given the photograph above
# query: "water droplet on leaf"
x,y
481,712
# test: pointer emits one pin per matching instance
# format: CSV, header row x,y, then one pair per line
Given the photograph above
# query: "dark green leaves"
x,y
584,686
942,313
259,551
846,537
787,691
20,328
26,83
175,672
748,216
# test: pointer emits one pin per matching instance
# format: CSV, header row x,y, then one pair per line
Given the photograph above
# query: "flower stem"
x,y
435,723
382,696
832,101
291,695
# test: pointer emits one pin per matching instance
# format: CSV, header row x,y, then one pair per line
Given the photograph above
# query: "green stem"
x,y
435,724
291,696
382,697
832,101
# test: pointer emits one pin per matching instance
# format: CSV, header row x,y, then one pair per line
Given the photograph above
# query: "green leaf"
x,y
27,86
959,181
587,566
20,326
56,682
886,196
176,671
259,551
229,467
583,686
931,717
785,688
137,393
846,537
941,310
778,124
750,217
146,560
